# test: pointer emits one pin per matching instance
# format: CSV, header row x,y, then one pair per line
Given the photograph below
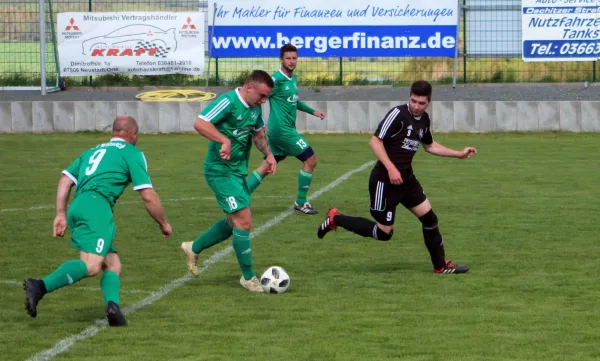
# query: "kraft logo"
x,y
72,26
189,24
132,40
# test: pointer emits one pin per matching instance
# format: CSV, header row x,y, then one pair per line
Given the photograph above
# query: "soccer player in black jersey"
x,y
392,181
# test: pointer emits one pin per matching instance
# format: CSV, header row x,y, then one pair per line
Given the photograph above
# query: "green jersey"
x,y
283,105
108,169
238,121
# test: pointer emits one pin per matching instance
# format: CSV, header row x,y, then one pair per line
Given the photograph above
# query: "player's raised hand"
x,y
225,151
468,152
395,177
272,164
319,114
166,230
60,226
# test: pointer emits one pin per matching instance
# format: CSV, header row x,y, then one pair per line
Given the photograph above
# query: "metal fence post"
x,y
42,47
341,72
216,71
464,41
90,10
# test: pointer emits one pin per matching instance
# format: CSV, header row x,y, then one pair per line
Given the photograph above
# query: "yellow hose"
x,y
182,95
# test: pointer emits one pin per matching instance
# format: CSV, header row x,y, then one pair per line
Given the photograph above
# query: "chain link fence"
x,y
489,51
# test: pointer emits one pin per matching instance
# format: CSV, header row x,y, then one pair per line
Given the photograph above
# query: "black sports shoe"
x,y
328,224
451,268
305,208
114,315
34,292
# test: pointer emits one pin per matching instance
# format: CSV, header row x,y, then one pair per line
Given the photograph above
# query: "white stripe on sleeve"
x,y
388,122
216,110
65,172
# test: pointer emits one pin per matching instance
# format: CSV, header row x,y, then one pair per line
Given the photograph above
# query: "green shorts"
x,y
91,222
291,144
231,191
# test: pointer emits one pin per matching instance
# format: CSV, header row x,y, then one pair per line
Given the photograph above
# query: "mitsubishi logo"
x,y
72,26
189,24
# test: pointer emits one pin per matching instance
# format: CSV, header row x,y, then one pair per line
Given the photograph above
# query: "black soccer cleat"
x,y
115,315
328,224
451,268
34,292
305,208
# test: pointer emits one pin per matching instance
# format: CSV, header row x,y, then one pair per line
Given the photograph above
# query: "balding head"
x,y
125,127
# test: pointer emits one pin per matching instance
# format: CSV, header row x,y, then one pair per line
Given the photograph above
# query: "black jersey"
x,y
402,134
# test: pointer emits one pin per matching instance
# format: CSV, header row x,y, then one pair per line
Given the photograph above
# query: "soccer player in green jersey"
x,y
284,139
100,176
232,122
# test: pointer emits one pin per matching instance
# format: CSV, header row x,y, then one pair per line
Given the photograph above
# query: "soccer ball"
x,y
275,280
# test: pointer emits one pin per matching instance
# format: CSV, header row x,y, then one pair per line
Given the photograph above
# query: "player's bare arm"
x,y
208,130
260,141
442,151
156,210
378,148
62,197
319,114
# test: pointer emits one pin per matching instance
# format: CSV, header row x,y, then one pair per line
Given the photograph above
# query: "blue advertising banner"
x,y
377,28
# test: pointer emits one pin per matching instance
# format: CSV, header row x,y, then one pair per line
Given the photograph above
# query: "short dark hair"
x,y
287,48
421,88
261,76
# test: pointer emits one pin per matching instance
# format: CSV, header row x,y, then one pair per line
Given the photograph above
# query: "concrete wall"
x,y
355,116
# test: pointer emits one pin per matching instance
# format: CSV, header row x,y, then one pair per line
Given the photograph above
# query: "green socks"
x,y
67,274
253,181
110,285
304,179
219,232
241,245
76,270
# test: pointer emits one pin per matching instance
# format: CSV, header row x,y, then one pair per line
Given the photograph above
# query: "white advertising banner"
x,y
561,30
136,43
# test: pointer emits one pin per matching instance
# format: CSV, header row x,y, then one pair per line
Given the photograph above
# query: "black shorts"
x,y
385,196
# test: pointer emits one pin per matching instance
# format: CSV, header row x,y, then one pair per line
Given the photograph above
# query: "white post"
x,y
42,47
210,36
456,45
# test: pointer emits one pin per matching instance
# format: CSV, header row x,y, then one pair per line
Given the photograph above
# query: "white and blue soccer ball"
x,y
275,280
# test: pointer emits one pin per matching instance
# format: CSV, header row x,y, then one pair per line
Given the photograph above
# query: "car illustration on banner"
x,y
134,37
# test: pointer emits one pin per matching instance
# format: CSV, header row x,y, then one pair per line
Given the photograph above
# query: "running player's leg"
x,y
309,163
242,223
294,145
91,222
235,201
416,201
383,209
228,190
110,285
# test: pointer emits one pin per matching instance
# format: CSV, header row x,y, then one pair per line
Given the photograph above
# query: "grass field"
x,y
519,213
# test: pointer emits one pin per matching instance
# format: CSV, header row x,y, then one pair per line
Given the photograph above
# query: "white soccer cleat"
x,y
191,257
253,284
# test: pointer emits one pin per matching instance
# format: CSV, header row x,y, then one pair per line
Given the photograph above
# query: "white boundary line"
x,y
66,343
35,208
17,283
